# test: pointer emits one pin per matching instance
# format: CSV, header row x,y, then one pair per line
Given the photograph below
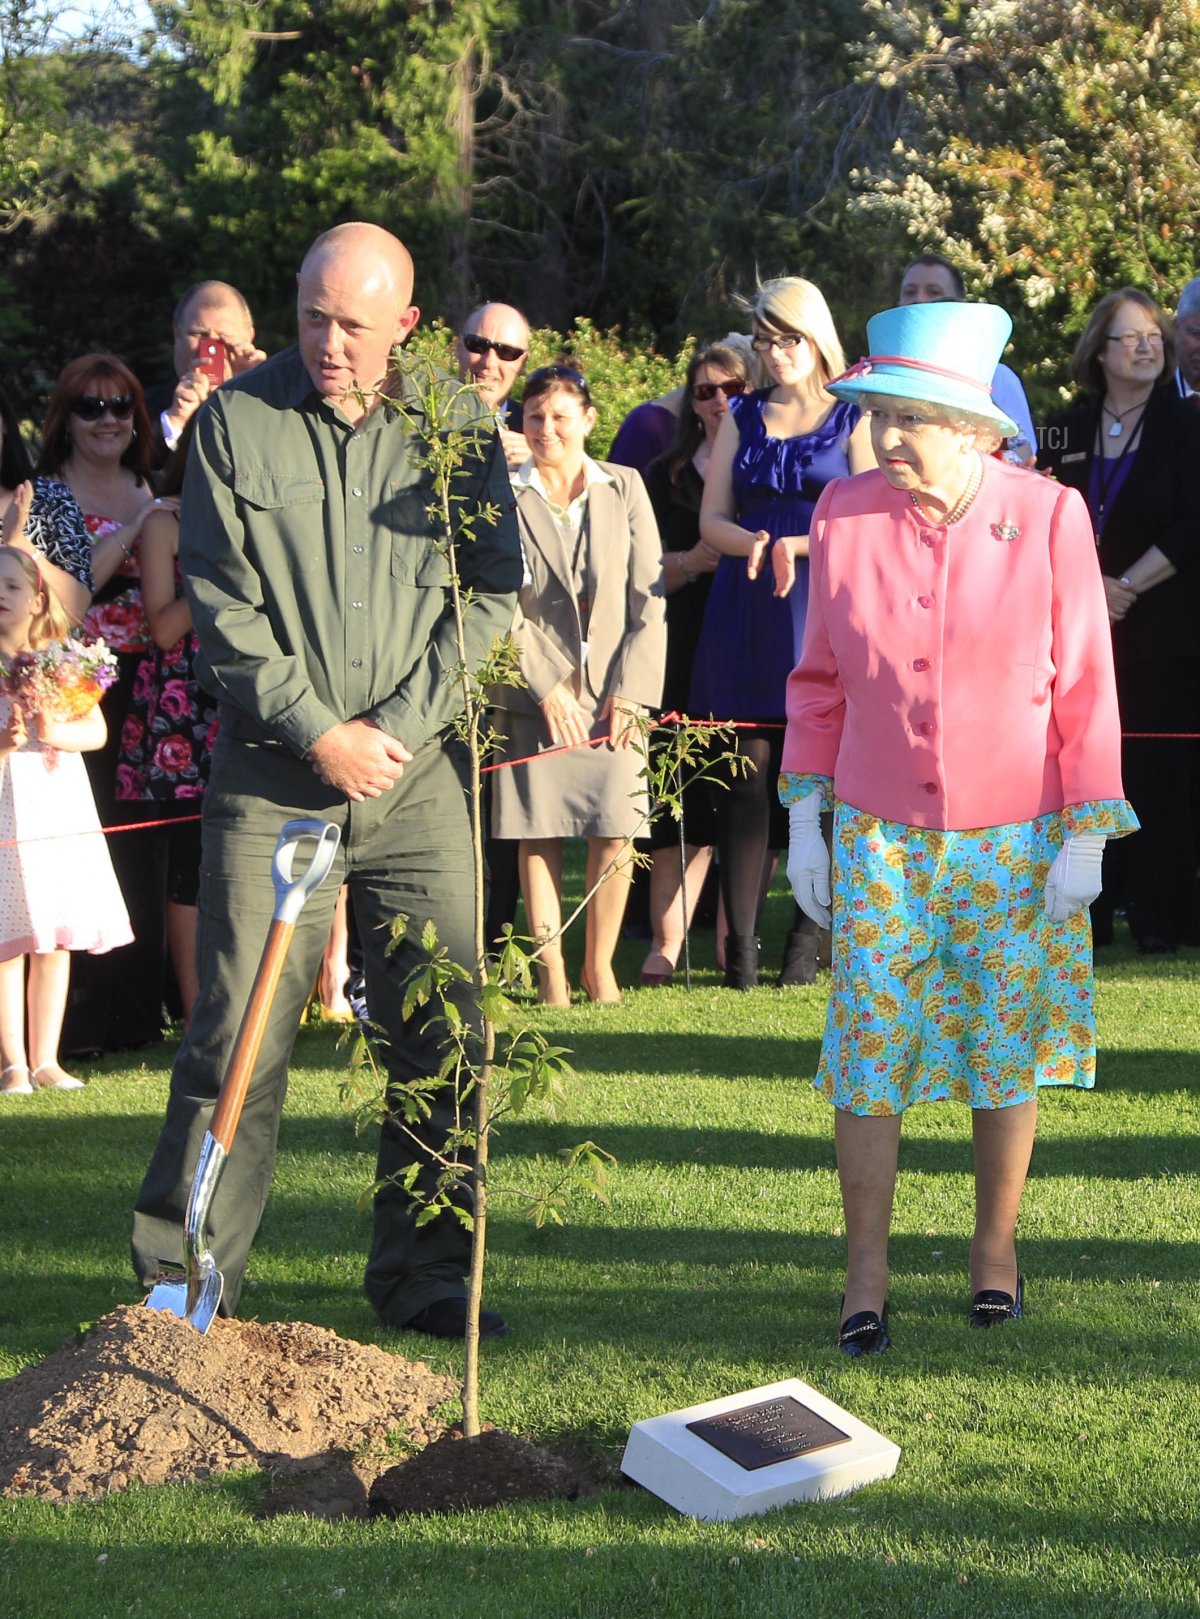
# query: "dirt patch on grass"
x,y
453,1474
146,1399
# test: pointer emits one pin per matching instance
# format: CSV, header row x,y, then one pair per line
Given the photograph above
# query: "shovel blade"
x,y
195,1303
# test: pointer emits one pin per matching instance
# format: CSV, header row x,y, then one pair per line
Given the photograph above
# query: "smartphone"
x,y
211,359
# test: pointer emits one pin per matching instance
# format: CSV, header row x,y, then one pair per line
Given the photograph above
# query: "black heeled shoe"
x,y
992,1307
863,1333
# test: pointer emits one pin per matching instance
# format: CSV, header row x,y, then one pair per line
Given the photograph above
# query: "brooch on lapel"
x,y
1005,531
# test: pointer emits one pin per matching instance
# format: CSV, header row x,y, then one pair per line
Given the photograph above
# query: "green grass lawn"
x,y
1052,1468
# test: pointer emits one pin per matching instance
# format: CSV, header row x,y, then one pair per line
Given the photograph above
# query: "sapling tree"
x,y
500,1063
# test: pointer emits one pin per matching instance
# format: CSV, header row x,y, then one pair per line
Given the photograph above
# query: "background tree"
x,y
1049,147
66,111
316,114
632,162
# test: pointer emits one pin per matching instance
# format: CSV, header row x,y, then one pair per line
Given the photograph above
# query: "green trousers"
x,y
407,852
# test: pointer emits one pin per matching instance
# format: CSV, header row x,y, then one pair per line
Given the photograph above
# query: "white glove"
x,y
1073,881
808,859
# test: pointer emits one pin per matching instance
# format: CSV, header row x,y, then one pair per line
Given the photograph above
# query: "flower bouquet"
x,y
63,679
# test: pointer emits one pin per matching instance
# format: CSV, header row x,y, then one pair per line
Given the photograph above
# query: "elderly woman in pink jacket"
x,y
955,705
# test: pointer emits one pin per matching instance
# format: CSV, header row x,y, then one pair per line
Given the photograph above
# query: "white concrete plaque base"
x,y
691,1475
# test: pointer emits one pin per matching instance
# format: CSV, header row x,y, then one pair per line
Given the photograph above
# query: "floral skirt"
x,y
948,978
168,733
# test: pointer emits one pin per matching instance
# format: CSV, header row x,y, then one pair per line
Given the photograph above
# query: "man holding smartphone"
x,y
214,341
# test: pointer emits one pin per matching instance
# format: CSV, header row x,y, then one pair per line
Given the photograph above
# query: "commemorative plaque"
x,y
750,1452
771,1431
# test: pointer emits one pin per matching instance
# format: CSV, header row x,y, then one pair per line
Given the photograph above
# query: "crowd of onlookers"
x,y
669,579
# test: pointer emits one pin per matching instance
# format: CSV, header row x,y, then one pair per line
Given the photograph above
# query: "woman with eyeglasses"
x,y
98,441
41,516
1131,446
675,483
591,636
774,453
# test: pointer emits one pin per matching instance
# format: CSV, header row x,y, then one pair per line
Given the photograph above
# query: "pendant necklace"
x,y
1118,417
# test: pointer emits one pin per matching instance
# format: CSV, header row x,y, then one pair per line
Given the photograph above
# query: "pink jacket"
x,y
962,677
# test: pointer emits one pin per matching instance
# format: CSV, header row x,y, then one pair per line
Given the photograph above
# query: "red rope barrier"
x,y
532,758
666,722
133,826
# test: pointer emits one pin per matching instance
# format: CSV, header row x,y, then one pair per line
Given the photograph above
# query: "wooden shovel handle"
x,y
244,1056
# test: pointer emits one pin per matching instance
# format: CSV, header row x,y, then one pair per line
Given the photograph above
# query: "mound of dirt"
x,y
147,1399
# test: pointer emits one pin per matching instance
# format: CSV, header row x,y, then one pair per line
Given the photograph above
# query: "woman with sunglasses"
x,y
591,639
41,516
98,441
675,483
774,453
1130,446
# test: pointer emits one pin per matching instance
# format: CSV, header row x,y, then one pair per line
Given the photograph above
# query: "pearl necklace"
x,y
959,507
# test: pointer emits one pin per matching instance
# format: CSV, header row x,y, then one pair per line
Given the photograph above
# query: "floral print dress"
x,y
949,979
116,613
169,731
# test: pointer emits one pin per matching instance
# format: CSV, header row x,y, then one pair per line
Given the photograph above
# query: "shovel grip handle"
x,y
250,1034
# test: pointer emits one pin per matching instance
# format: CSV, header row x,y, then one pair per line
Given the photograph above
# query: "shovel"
x,y
196,1295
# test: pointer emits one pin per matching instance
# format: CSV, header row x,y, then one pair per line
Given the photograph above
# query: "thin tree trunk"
x,y
462,124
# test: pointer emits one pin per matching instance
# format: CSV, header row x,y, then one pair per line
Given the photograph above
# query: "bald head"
x,y
354,307
491,350
498,315
368,252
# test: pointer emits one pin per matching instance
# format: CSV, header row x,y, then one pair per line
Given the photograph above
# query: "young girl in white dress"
x,y
57,888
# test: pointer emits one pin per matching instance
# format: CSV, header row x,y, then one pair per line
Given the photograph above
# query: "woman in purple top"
x,y
648,431
774,453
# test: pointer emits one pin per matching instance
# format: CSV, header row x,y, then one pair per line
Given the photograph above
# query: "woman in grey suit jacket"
x,y
591,633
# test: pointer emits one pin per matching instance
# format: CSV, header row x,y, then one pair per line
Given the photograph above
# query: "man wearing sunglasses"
x,y
491,351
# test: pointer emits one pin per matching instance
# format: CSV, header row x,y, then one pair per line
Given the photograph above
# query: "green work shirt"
x,y
308,556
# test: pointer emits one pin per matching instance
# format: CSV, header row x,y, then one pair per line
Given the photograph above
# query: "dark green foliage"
x,y
631,164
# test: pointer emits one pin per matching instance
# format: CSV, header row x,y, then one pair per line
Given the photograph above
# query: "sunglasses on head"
x,y
474,344
90,407
704,391
557,373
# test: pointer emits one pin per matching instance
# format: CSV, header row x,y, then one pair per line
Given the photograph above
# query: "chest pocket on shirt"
x,y
415,560
289,532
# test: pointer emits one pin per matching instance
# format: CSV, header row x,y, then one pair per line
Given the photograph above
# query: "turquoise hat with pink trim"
x,y
940,354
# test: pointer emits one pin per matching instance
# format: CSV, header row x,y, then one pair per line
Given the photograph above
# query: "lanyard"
x,y
1105,485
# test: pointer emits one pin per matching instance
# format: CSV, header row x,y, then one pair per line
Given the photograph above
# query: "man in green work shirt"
x,y
326,631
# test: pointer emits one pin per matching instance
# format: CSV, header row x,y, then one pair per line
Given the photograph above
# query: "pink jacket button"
x,y
926,728
920,665
925,601
931,786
